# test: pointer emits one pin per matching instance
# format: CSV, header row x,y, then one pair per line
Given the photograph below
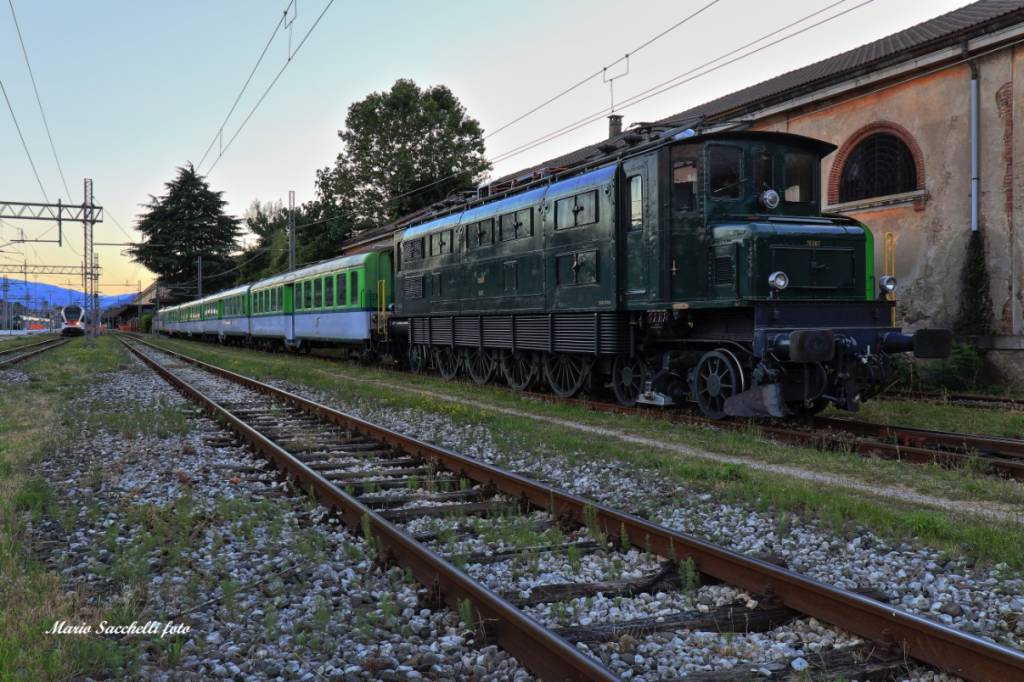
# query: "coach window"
x,y
684,186
636,203
329,292
799,178
353,285
318,293
725,171
342,301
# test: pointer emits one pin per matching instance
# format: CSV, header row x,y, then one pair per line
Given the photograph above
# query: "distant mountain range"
x,y
40,294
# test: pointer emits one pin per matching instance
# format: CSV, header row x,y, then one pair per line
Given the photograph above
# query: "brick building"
x,y
913,113
908,112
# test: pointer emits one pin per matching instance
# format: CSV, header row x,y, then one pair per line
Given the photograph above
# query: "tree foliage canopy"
x,y
396,142
183,224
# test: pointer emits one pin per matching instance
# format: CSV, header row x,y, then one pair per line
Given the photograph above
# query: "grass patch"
x,y
161,420
941,416
31,597
980,540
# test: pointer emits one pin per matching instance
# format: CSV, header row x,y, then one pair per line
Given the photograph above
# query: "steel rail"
x,y
37,349
981,401
905,444
545,653
953,651
909,435
26,346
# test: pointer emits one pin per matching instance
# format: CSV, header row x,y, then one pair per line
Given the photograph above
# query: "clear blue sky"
x,y
134,89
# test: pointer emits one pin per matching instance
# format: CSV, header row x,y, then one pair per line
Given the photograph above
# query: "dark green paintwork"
x,y
664,249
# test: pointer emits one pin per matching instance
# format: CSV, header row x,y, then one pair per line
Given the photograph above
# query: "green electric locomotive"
x,y
690,268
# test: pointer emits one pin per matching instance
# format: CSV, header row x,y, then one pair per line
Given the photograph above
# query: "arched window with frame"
x,y
880,164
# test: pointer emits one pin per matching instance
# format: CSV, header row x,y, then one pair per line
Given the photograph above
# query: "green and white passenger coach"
x,y
342,300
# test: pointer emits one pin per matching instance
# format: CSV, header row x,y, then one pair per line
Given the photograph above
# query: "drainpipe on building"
x,y
974,146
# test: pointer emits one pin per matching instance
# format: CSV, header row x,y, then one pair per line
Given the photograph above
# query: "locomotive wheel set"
x,y
692,268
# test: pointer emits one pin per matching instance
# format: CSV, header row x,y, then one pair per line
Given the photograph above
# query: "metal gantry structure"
x,y
88,214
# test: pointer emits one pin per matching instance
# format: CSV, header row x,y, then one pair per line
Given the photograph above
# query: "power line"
x,y
24,146
39,101
119,225
270,87
602,70
686,76
220,131
649,93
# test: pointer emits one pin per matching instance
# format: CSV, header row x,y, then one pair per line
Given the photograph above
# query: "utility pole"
x,y
199,279
138,299
291,230
89,278
6,312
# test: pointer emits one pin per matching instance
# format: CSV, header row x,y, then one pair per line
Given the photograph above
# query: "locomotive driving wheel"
x,y
715,378
520,370
417,359
481,365
447,362
566,374
628,376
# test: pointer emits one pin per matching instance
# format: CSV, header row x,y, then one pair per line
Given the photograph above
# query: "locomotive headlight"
x,y
769,199
778,280
887,283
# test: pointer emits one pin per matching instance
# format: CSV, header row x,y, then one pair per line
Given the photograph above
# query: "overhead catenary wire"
x,y
245,86
266,92
23,143
39,101
688,76
647,94
603,69
664,86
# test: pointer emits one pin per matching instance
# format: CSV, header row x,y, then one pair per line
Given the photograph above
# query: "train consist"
x,y
33,323
691,268
72,320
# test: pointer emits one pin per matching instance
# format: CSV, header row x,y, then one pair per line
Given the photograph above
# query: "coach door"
x,y
637,233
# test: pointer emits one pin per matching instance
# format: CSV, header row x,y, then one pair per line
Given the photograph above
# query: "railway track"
x,y
395,490
999,456
991,402
12,356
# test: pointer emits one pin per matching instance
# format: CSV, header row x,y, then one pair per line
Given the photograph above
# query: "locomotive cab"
x,y
772,306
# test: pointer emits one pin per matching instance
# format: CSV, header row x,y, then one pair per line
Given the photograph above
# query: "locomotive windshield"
x,y
725,171
736,173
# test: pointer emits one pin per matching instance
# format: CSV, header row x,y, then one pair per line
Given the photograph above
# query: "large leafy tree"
x,y
185,223
404,149
320,234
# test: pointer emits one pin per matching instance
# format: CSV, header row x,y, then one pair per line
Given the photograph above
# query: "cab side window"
x,y
636,202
